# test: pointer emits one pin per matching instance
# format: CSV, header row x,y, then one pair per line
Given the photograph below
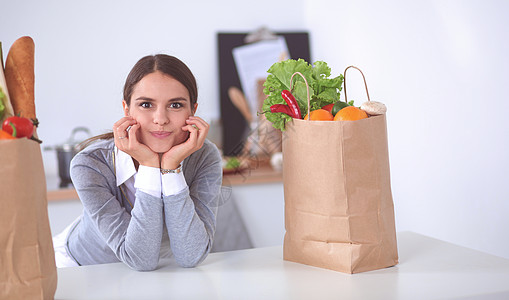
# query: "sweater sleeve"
x,y
190,215
135,239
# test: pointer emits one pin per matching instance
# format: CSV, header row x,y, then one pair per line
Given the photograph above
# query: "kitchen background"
x,y
439,66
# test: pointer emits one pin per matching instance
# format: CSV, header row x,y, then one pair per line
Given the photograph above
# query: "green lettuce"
x,y
2,106
322,89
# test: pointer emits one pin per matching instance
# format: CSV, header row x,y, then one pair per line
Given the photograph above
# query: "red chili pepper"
x,y
292,103
281,108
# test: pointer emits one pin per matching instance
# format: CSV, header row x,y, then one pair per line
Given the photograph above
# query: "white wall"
x,y
85,49
439,66
441,69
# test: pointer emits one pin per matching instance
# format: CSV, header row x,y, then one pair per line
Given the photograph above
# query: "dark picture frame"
x,y
234,124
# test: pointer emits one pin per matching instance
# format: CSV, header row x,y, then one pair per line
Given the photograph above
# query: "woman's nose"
x,y
161,117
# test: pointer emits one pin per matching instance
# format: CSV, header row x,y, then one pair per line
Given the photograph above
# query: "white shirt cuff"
x,y
148,180
173,183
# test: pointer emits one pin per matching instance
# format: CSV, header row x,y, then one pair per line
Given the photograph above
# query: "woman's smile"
x,y
160,134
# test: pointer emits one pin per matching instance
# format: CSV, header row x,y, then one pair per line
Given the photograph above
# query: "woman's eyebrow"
x,y
142,98
177,99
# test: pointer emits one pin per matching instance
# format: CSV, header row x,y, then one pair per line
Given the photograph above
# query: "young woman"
x,y
150,188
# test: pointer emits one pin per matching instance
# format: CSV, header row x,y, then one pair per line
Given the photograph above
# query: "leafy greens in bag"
x,y
322,89
2,106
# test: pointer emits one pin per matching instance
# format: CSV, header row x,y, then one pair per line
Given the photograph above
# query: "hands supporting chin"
x,y
124,133
127,141
198,130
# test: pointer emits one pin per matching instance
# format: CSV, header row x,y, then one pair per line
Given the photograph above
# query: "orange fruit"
x,y
320,115
350,113
5,136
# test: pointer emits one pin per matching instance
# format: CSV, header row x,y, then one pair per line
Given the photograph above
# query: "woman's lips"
x,y
160,134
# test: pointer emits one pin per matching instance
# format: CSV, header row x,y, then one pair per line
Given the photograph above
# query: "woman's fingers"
x,y
121,128
126,140
198,130
193,134
199,127
131,134
123,123
199,122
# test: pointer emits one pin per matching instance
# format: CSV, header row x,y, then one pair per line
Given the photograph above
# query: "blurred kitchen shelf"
x,y
256,174
62,194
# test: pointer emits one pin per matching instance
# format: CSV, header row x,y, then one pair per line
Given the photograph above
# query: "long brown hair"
x,y
166,64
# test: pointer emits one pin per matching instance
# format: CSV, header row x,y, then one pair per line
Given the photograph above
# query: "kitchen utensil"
x,y
240,102
65,153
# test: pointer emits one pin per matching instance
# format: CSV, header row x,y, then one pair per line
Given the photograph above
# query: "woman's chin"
x,y
160,148
163,145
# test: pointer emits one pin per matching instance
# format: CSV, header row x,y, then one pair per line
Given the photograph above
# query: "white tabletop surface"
x,y
428,269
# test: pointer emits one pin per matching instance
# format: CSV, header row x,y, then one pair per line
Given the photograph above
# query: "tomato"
x,y
18,127
5,136
328,107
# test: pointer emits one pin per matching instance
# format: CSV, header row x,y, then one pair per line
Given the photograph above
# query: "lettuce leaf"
x,y
2,106
322,89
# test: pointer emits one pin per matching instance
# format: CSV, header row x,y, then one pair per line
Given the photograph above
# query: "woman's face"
x,y
161,105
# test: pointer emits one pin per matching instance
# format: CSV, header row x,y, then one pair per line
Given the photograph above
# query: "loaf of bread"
x,y
20,77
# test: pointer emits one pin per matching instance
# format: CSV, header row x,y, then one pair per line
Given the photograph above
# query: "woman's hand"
x,y
198,130
124,132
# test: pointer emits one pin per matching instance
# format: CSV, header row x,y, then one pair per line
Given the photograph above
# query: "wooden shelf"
x,y
261,174
62,194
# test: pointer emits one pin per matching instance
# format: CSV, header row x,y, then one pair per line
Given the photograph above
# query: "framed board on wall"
x,y
234,123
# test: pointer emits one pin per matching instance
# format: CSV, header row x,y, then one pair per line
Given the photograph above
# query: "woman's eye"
x,y
146,104
175,105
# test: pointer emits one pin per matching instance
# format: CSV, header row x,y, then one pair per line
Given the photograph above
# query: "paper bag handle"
x,y
307,89
344,82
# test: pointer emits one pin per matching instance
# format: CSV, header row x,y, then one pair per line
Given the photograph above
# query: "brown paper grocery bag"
x,y
339,210
27,259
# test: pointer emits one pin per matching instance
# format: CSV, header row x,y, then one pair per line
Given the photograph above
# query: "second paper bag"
x,y
339,211
27,257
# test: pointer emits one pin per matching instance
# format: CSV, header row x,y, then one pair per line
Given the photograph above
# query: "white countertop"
x,y
428,269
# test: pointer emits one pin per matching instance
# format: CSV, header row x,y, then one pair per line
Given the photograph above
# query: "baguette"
x,y
20,77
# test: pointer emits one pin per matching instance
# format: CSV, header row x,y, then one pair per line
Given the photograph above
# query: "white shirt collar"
x,y
124,166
